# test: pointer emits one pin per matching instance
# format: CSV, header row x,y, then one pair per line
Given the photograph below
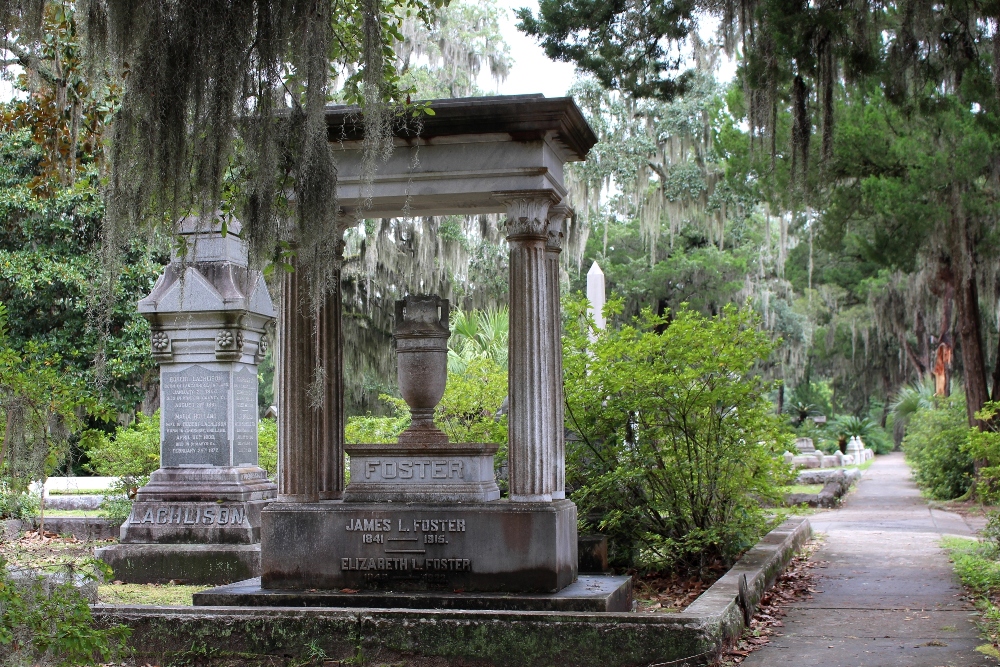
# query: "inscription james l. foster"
x,y
405,543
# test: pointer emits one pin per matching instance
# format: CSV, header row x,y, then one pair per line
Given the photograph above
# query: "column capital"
x,y
527,211
557,226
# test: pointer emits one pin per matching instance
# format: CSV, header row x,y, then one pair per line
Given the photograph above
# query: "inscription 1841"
x,y
195,417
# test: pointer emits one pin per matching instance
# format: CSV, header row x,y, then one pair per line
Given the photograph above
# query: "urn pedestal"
x,y
423,513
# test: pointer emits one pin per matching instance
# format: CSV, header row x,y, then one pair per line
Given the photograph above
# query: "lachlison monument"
x,y
198,518
422,523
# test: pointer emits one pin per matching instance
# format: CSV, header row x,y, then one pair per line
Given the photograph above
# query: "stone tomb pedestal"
x,y
198,519
420,524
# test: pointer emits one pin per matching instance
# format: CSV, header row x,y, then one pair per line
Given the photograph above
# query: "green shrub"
x,y
935,446
678,445
871,434
131,454
984,446
133,450
378,429
51,624
267,446
16,504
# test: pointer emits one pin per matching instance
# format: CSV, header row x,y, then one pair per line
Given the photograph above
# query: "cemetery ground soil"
x,y
884,593
50,552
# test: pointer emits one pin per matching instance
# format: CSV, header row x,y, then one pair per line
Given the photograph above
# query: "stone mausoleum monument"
x,y
421,523
198,518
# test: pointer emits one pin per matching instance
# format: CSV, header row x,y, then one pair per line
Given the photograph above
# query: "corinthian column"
x,y
310,393
553,246
530,373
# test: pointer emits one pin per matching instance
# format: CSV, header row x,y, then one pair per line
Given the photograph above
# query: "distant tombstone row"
x,y
810,457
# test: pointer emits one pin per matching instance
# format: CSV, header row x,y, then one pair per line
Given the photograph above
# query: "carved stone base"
x,y
191,484
182,563
166,522
431,472
499,546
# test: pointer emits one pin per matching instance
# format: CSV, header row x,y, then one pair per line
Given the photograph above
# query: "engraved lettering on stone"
x,y
195,416
190,515
417,469
245,417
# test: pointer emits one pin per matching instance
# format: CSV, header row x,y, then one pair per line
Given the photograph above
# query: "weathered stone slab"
x,y
187,563
595,593
498,546
209,416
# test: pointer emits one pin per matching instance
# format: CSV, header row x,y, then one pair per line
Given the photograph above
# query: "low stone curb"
x,y
835,485
85,528
274,636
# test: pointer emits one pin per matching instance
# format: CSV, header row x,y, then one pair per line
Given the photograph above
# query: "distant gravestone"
x,y
805,445
209,314
596,294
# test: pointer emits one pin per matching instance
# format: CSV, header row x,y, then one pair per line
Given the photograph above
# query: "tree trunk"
x,y
967,302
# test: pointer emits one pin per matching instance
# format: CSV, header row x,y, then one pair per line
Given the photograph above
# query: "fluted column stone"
x,y
310,394
553,247
530,371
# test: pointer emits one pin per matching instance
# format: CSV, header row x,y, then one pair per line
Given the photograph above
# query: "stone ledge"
x,y
589,593
86,528
189,563
279,635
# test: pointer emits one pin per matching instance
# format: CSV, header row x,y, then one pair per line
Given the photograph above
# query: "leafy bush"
x,y
935,446
131,454
678,445
16,504
378,429
133,451
472,399
45,623
871,434
984,446
267,446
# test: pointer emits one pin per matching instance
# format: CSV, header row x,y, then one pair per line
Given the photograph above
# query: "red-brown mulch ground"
x,y
669,592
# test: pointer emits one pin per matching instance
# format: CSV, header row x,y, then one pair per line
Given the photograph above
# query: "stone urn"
x,y
421,339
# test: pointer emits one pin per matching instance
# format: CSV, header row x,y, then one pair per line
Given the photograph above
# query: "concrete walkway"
x,y
889,596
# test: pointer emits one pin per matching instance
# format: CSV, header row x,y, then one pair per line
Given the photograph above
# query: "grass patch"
x,y
864,466
977,564
62,514
57,514
172,595
802,488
